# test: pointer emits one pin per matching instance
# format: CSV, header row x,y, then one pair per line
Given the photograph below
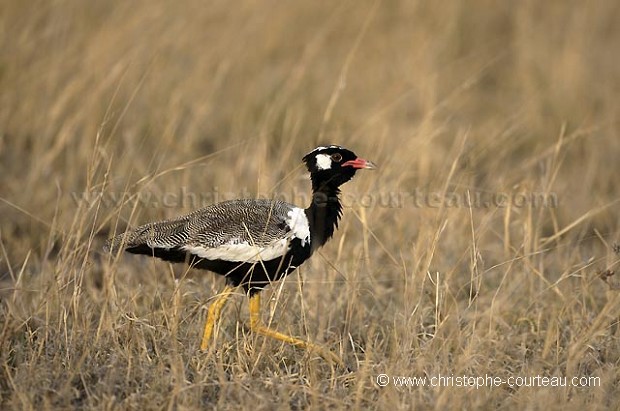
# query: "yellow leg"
x,y
213,315
257,326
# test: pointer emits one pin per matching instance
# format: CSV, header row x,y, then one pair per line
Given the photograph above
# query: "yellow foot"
x,y
213,315
257,326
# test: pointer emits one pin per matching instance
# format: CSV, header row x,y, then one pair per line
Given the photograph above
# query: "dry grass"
x,y
137,99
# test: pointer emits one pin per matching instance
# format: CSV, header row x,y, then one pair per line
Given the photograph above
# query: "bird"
x,y
253,242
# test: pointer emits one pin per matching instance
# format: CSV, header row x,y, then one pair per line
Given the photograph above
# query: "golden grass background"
x,y
125,99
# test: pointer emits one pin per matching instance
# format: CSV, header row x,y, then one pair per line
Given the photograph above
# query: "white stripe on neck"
x,y
299,225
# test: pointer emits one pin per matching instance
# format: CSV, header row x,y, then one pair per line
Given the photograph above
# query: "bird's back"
x,y
257,223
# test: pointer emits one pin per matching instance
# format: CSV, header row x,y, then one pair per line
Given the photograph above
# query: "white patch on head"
x,y
323,161
241,252
299,225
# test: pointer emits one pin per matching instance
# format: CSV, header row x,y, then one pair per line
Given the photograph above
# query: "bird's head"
x,y
334,165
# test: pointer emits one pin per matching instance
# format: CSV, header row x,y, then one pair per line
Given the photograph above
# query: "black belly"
x,y
253,277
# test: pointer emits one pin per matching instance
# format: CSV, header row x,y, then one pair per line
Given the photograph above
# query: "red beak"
x,y
360,163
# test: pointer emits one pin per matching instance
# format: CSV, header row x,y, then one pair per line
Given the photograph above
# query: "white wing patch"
x,y
299,225
323,161
241,252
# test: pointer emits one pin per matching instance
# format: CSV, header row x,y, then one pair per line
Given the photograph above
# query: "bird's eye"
x,y
337,157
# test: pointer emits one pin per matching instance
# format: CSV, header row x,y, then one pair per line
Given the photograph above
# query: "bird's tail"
x,y
116,243
163,234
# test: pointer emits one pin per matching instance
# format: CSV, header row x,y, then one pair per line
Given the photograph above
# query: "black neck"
x,y
324,212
